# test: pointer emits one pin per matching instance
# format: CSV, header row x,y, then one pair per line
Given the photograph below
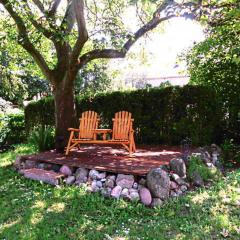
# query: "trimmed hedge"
x,y
161,115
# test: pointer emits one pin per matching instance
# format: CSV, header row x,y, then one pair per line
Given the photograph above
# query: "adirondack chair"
x,y
85,134
123,132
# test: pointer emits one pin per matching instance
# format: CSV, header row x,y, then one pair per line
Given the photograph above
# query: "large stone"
x,y
70,180
109,183
197,179
66,170
145,196
101,175
158,183
93,174
18,162
178,166
125,194
116,192
134,196
43,175
81,174
156,202
94,186
125,181
173,185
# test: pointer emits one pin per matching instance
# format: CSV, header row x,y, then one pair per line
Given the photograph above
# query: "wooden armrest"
x,y
73,129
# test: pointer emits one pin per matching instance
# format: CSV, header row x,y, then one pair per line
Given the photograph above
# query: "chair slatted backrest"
x,y
88,121
122,125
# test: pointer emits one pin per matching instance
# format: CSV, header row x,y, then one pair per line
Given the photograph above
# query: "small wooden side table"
x,y
102,131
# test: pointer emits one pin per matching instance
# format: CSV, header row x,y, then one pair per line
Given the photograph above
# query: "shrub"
x,y
196,165
161,115
12,129
231,151
42,137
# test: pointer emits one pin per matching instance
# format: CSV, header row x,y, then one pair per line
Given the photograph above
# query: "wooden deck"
x,y
112,159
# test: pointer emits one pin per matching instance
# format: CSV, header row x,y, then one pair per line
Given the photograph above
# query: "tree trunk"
x,y
65,112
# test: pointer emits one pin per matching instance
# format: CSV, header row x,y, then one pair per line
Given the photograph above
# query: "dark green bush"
x,y
161,115
12,129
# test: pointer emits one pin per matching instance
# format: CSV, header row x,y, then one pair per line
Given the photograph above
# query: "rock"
x,y
81,174
125,194
125,181
41,166
30,164
179,192
158,183
109,183
165,168
106,192
173,194
101,175
112,177
197,179
183,188
178,166
135,185
93,174
70,180
178,180
142,181
134,195
116,192
103,180
145,196
156,202
65,170
94,187
173,185
210,165
99,184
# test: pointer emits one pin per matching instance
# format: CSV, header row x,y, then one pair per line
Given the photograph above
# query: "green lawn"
x,y
31,210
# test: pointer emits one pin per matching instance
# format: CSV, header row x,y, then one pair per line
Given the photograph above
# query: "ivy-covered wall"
x,y
165,115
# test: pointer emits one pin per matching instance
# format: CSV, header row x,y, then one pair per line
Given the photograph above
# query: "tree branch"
x,y
53,8
24,41
78,6
121,53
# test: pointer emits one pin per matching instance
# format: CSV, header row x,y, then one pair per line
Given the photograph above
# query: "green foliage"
x,y
196,165
42,137
215,62
165,115
39,211
12,129
231,151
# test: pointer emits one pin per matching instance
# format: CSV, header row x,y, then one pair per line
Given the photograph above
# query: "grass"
x,y
31,210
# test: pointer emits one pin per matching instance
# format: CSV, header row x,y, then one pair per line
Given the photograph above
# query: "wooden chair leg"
x,y
69,143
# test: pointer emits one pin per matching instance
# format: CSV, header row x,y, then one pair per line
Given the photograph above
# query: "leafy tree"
x,y
81,31
215,62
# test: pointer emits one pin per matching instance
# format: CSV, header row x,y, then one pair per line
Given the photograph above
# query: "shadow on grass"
x,y
31,210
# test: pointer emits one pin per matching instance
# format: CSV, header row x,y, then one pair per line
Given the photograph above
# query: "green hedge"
x,y
165,115
12,129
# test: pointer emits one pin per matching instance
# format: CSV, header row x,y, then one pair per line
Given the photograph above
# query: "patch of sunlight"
x,y
56,207
219,208
222,220
36,218
39,205
8,225
200,198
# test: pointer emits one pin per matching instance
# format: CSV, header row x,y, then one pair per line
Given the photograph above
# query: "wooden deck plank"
x,y
112,159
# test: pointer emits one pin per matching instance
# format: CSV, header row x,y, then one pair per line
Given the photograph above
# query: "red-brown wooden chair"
x,y
85,134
